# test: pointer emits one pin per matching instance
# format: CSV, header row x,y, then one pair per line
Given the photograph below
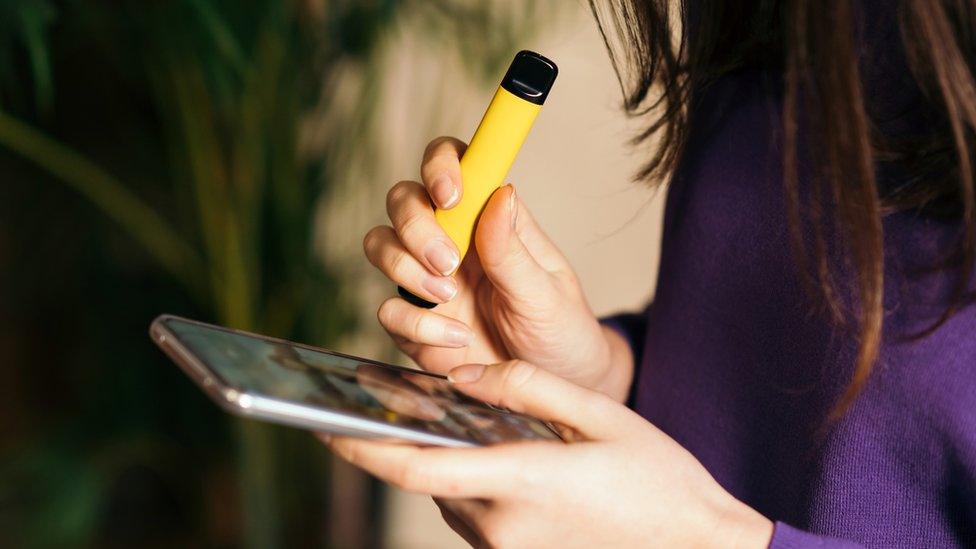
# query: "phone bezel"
x,y
246,404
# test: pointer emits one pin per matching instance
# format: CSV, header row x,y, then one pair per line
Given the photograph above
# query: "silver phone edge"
x,y
254,406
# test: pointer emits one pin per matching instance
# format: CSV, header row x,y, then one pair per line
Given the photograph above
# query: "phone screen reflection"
x,y
415,400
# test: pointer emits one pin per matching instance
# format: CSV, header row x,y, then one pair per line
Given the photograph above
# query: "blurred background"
x,y
221,160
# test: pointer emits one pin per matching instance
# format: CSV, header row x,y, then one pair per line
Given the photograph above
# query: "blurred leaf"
x,y
61,485
181,122
140,221
36,17
221,33
26,23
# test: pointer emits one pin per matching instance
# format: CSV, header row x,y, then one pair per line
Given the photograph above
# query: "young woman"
x,y
806,373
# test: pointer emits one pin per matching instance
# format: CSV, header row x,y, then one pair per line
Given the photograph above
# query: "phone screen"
x,y
397,396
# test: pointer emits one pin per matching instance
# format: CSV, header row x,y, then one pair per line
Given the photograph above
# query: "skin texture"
x,y
516,297
620,483
516,303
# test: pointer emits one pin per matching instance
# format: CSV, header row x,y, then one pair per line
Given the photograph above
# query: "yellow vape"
x,y
494,146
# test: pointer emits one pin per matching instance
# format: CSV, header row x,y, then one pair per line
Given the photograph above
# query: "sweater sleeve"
x,y
787,537
633,328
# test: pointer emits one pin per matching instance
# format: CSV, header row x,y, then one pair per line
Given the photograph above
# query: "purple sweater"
x,y
734,363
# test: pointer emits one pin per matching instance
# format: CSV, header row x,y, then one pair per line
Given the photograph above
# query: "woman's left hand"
x,y
620,483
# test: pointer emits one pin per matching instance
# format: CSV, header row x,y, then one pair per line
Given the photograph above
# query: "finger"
x,y
507,263
460,527
408,206
468,509
403,320
326,438
542,248
441,472
462,516
397,394
385,251
524,388
441,171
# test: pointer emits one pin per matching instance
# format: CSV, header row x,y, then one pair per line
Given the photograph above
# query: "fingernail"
x,y
457,335
442,257
466,374
444,191
443,288
513,206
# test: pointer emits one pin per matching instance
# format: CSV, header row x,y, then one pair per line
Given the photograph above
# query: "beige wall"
x,y
574,173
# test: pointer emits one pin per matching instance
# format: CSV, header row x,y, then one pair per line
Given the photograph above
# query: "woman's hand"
x,y
515,297
622,483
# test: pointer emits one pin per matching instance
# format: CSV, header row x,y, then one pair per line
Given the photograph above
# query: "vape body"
x,y
486,162
494,146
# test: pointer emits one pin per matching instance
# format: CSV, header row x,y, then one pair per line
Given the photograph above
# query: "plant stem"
x,y
258,464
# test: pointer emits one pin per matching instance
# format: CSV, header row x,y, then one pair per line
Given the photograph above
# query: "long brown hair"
x,y
814,43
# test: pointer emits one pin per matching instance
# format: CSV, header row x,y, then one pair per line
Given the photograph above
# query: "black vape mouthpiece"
x,y
530,76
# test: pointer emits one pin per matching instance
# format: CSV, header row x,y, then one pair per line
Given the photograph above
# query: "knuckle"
x,y
435,144
410,348
421,324
372,239
517,374
518,256
398,193
397,263
410,223
387,313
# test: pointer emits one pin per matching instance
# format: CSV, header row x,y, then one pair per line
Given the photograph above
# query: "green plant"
x,y
180,122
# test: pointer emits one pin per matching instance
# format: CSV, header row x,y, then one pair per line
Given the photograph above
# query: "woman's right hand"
x,y
514,297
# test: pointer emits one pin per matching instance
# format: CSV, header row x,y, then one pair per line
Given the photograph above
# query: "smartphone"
x,y
292,384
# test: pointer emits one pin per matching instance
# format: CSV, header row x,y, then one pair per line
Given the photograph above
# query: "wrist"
x,y
617,371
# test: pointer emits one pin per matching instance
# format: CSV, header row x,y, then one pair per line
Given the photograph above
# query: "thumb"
x,y
507,262
527,389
